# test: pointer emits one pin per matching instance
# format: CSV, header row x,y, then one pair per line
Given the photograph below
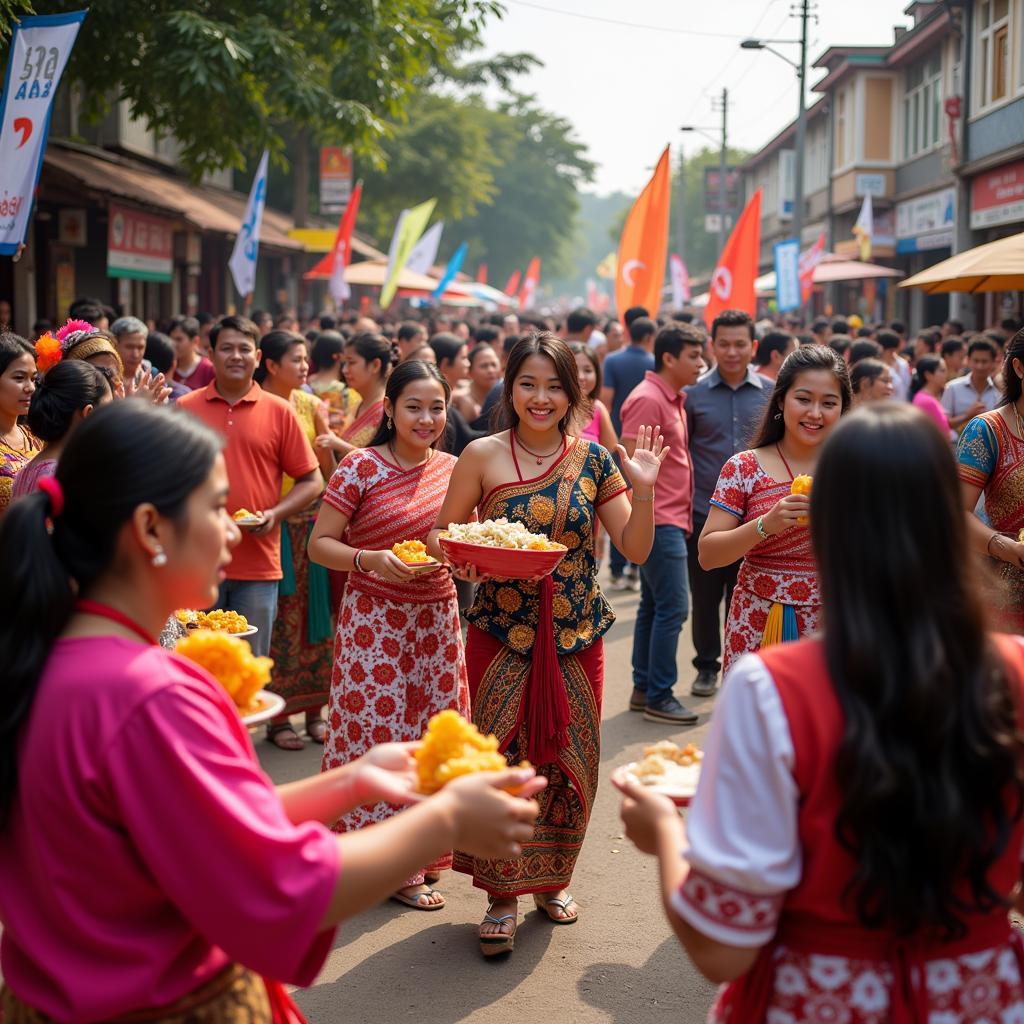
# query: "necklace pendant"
x,y
540,462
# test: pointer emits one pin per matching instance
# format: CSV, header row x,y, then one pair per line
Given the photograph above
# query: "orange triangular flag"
x,y
644,245
732,284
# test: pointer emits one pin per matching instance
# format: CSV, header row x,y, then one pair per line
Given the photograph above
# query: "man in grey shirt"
x,y
722,411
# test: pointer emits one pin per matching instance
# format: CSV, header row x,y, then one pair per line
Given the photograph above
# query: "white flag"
x,y
39,52
243,257
424,253
680,281
864,229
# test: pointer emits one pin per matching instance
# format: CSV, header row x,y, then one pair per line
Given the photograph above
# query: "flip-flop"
x,y
493,945
543,904
414,901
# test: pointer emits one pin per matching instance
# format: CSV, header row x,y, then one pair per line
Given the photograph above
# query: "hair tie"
x,y
50,485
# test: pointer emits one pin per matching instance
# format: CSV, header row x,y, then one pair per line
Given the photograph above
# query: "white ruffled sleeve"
x,y
744,850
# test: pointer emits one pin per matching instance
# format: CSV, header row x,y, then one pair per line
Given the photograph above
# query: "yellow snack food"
x,y
218,619
230,661
412,552
801,485
243,513
452,747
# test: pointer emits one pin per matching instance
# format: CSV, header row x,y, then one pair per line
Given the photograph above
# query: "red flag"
x,y
513,283
528,292
809,259
481,274
592,295
640,270
342,247
732,284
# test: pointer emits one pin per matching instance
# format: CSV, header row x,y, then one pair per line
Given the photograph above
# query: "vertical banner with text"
x,y
40,48
787,275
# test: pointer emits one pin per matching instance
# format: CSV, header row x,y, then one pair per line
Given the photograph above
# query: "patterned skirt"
x,y
395,666
303,635
498,684
748,616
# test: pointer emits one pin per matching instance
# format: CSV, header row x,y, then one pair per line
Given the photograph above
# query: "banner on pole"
x,y
528,291
454,266
424,252
680,280
809,260
40,48
410,226
247,244
788,293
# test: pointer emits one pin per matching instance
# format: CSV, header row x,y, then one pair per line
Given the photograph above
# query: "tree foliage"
x,y
230,77
10,12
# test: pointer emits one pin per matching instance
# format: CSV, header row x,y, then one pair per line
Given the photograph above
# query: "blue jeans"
x,y
257,601
660,617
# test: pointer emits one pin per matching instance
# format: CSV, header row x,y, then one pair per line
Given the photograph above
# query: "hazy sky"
x,y
627,89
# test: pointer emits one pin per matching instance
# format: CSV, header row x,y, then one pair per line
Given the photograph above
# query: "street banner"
x,y
512,286
342,249
606,268
40,48
424,252
643,246
680,280
411,224
528,292
454,266
481,274
864,229
732,283
335,179
247,244
787,275
809,260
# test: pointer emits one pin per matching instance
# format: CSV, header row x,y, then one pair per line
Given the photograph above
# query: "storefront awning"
x,y
995,267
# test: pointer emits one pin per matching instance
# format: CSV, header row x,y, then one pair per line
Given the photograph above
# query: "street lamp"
x,y
722,153
801,117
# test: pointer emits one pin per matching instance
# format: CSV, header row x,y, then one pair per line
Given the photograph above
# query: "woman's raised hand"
x,y
643,468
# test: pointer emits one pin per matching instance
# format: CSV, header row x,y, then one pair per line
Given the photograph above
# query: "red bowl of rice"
x,y
509,563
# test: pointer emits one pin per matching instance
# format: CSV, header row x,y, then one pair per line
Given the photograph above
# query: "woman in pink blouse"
x,y
926,389
147,865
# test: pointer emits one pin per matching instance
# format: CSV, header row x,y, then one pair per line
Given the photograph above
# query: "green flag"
x,y
411,224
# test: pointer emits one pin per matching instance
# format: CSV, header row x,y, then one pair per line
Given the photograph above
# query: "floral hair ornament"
x,y
49,352
72,332
50,485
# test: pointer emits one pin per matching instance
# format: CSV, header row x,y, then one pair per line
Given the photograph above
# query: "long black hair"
x,y
13,346
806,358
276,345
370,346
1012,384
62,391
126,454
539,343
406,373
930,764
926,364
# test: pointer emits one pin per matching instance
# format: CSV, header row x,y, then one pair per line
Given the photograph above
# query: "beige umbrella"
x,y
995,267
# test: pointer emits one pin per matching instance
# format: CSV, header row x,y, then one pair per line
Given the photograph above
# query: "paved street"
x,y
618,964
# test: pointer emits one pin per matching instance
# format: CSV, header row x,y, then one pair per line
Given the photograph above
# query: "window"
x,y
922,105
993,51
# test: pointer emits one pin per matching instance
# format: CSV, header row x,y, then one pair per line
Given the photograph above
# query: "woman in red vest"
x,y
855,843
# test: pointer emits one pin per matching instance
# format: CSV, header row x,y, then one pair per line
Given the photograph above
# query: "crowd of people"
x,y
674,449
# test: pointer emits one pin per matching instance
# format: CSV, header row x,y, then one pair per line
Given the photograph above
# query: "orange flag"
x,y
528,291
644,245
732,284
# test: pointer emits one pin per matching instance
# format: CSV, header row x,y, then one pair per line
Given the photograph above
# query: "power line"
x,y
625,24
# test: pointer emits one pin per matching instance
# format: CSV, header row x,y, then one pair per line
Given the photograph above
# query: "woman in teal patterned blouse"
x,y
534,651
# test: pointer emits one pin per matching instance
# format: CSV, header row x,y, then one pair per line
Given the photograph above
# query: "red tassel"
x,y
282,1007
547,704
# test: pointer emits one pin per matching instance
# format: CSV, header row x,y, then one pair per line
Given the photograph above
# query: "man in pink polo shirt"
x,y
658,398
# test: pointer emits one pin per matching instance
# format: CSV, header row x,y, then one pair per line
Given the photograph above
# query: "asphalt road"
x,y
619,963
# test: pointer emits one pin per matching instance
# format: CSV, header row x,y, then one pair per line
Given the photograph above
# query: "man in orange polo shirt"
x,y
263,442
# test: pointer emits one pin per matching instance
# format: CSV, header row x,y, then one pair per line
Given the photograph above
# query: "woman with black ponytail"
x,y
148,868
854,846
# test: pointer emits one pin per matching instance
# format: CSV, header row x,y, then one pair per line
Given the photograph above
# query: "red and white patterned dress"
x,y
398,656
778,570
767,871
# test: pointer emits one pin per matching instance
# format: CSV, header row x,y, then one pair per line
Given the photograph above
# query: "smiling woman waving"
x,y
754,515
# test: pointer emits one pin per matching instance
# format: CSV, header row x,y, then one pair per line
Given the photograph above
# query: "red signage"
x,y
997,196
139,245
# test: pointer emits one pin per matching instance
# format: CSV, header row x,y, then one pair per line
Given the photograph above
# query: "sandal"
x,y
494,945
316,729
563,904
413,900
284,737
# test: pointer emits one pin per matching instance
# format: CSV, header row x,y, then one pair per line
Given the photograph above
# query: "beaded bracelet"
x,y
643,501
761,531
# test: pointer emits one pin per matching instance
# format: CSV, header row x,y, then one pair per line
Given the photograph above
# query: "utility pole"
x,y
722,154
681,221
801,127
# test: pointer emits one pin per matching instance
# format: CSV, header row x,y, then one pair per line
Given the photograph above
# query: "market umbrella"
x,y
995,267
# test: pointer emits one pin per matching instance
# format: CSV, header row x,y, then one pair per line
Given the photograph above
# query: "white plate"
x,y
271,705
251,631
679,794
249,521
424,568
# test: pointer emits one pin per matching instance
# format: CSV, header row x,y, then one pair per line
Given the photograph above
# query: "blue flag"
x,y
454,266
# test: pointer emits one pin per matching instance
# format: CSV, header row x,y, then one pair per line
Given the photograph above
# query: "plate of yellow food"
x,y
243,517
415,556
668,769
497,547
452,747
243,674
219,620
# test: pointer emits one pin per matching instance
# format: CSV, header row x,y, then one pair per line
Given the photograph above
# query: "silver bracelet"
x,y
761,531
643,500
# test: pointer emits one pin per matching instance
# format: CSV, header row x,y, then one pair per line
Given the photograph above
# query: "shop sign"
x,y
335,178
934,211
71,226
869,184
139,245
997,196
